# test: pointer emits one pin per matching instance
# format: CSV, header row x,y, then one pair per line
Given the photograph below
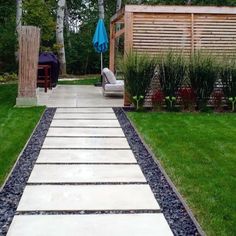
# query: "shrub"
x,y
138,70
203,71
6,77
172,71
188,98
228,77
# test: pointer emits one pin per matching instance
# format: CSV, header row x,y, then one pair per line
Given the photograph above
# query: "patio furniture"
x,y
110,84
49,58
44,77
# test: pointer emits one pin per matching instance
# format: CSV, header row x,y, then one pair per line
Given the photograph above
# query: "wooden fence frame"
x,y
126,17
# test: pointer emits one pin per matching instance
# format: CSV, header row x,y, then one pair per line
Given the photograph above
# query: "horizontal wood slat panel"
x,y
158,32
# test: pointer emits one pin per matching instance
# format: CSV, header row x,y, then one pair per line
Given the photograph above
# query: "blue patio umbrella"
x,y
100,39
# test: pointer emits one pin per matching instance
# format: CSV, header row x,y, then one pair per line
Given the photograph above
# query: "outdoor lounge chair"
x,y
110,84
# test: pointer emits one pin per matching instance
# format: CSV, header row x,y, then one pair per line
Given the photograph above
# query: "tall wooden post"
x,y
128,47
112,47
28,64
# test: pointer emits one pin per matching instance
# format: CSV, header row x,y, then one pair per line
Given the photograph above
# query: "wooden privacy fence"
x,y
157,29
29,43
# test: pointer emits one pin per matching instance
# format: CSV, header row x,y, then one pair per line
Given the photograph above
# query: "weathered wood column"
x,y
112,47
128,48
28,63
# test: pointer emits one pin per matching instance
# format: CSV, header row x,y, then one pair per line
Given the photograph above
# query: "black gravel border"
x,y
11,192
176,212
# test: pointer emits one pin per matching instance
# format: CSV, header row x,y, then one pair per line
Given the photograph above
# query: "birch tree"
x,y
101,9
67,23
18,15
118,5
18,24
60,35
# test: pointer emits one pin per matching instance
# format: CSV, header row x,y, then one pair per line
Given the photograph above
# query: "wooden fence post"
x,y
128,47
28,64
112,47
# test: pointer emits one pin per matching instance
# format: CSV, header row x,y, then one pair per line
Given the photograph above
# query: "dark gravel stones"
x,y
12,190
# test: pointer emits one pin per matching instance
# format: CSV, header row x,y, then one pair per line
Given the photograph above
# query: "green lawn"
x,y
16,125
198,151
86,80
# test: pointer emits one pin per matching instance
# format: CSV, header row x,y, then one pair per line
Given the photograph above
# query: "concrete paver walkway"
x,y
87,182
77,96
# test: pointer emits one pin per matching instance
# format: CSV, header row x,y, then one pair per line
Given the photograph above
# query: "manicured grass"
x,y
88,80
198,151
16,125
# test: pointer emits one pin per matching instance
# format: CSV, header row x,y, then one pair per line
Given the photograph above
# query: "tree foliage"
x,y
7,36
82,17
41,13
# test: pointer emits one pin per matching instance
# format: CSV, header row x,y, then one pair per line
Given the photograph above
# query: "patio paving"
x,y
86,173
86,180
81,156
90,225
77,96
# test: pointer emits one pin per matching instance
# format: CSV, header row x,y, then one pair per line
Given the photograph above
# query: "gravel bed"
x,y
175,213
12,190
87,212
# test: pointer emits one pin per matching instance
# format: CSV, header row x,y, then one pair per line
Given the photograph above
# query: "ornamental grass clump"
x,y
203,73
228,78
138,71
172,71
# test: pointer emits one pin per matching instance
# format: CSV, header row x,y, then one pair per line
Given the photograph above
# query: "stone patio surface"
x,y
85,173
90,225
86,156
86,132
77,96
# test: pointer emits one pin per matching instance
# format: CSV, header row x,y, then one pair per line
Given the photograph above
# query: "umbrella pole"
x,y
101,67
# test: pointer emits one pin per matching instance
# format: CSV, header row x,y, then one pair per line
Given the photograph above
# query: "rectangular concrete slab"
x,y
87,197
85,110
90,225
86,132
91,143
95,116
86,156
85,123
86,174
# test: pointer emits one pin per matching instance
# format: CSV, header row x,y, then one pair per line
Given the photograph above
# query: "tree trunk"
x,y
189,2
18,24
60,35
118,26
67,26
118,5
101,9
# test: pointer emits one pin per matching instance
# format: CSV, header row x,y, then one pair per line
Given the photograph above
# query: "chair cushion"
x,y
109,75
118,86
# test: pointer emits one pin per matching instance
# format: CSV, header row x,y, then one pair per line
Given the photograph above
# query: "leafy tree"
x,y
7,36
42,14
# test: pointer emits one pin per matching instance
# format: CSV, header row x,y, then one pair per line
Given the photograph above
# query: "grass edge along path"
x,y
85,80
198,152
16,126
